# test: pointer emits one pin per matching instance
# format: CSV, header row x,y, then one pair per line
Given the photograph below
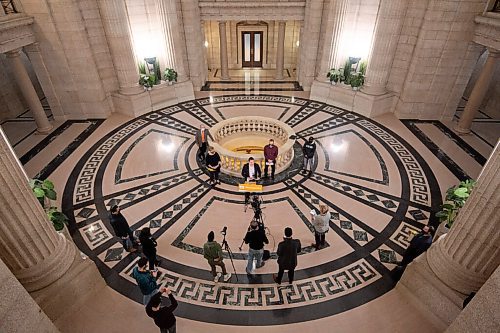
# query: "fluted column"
x,y
465,257
224,67
280,51
334,19
478,92
26,86
115,21
35,253
387,31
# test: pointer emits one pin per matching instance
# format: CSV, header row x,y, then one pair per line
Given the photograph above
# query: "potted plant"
x,y
334,76
170,75
455,198
45,193
357,81
147,81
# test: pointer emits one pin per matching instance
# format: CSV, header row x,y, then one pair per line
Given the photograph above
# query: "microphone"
x,y
224,230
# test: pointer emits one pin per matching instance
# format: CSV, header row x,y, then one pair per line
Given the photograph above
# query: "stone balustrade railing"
x,y
232,162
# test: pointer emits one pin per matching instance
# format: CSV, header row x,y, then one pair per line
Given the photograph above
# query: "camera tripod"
x,y
225,247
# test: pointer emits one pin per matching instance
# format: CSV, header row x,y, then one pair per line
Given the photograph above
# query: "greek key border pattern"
x,y
420,191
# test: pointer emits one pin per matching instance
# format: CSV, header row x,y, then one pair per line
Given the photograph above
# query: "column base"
x,y
343,96
132,105
44,130
70,291
460,130
421,285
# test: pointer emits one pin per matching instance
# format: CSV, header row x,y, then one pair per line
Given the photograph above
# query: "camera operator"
x,y
255,238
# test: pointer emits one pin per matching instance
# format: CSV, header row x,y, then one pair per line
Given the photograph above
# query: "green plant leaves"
x,y
456,196
461,192
47,184
51,194
39,193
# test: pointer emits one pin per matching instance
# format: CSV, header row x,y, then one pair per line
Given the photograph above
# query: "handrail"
x,y
232,162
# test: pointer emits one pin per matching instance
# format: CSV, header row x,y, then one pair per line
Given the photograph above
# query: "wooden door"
x,y
251,42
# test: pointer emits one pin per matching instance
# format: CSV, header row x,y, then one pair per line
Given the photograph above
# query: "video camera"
x,y
224,231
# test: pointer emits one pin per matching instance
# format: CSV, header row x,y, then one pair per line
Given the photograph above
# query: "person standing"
x,y
250,172
309,149
163,316
287,256
122,229
321,225
212,251
146,280
201,137
418,245
213,165
148,247
255,238
270,155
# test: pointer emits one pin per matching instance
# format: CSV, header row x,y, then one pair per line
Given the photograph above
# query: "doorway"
x,y
251,42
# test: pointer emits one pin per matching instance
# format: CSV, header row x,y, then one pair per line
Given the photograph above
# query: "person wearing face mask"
x,y
270,155
309,149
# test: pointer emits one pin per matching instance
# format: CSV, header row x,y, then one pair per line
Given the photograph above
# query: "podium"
x,y
250,187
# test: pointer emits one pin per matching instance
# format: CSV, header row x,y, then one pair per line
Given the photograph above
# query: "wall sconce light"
x,y
206,43
298,43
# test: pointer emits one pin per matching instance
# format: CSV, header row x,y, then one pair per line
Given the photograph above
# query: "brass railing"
x,y
8,7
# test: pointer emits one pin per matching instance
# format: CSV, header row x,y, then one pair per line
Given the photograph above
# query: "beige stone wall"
x,y
435,57
19,312
270,40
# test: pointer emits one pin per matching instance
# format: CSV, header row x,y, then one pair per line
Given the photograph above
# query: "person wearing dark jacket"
x,y
250,172
309,149
270,155
201,137
213,165
255,238
146,280
122,229
148,247
163,316
418,245
287,256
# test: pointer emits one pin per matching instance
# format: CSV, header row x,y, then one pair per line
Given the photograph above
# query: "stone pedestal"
x,y
280,51
478,92
462,260
224,67
26,87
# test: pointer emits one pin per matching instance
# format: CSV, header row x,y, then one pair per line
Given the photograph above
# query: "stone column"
x,y
388,27
478,93
115,21
280,51
466,257
462,260
224,67
35,253
23,80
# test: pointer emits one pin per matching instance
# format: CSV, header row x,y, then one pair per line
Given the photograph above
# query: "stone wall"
x,y
435,57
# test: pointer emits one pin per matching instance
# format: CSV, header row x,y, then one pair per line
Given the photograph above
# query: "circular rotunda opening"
x,y
239,138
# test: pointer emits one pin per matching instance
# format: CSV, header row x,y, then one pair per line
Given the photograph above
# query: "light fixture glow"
x,y
166,146
298,43
211,99
293,99
206,43
337,147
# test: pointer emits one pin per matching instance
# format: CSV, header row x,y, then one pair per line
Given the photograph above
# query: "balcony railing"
x,y
8,7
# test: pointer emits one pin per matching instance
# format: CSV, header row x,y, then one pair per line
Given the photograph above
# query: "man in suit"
x,y
202,136
287,256
250,172
270,155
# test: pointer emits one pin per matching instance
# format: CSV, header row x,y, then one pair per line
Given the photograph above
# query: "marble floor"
x,y
381,178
